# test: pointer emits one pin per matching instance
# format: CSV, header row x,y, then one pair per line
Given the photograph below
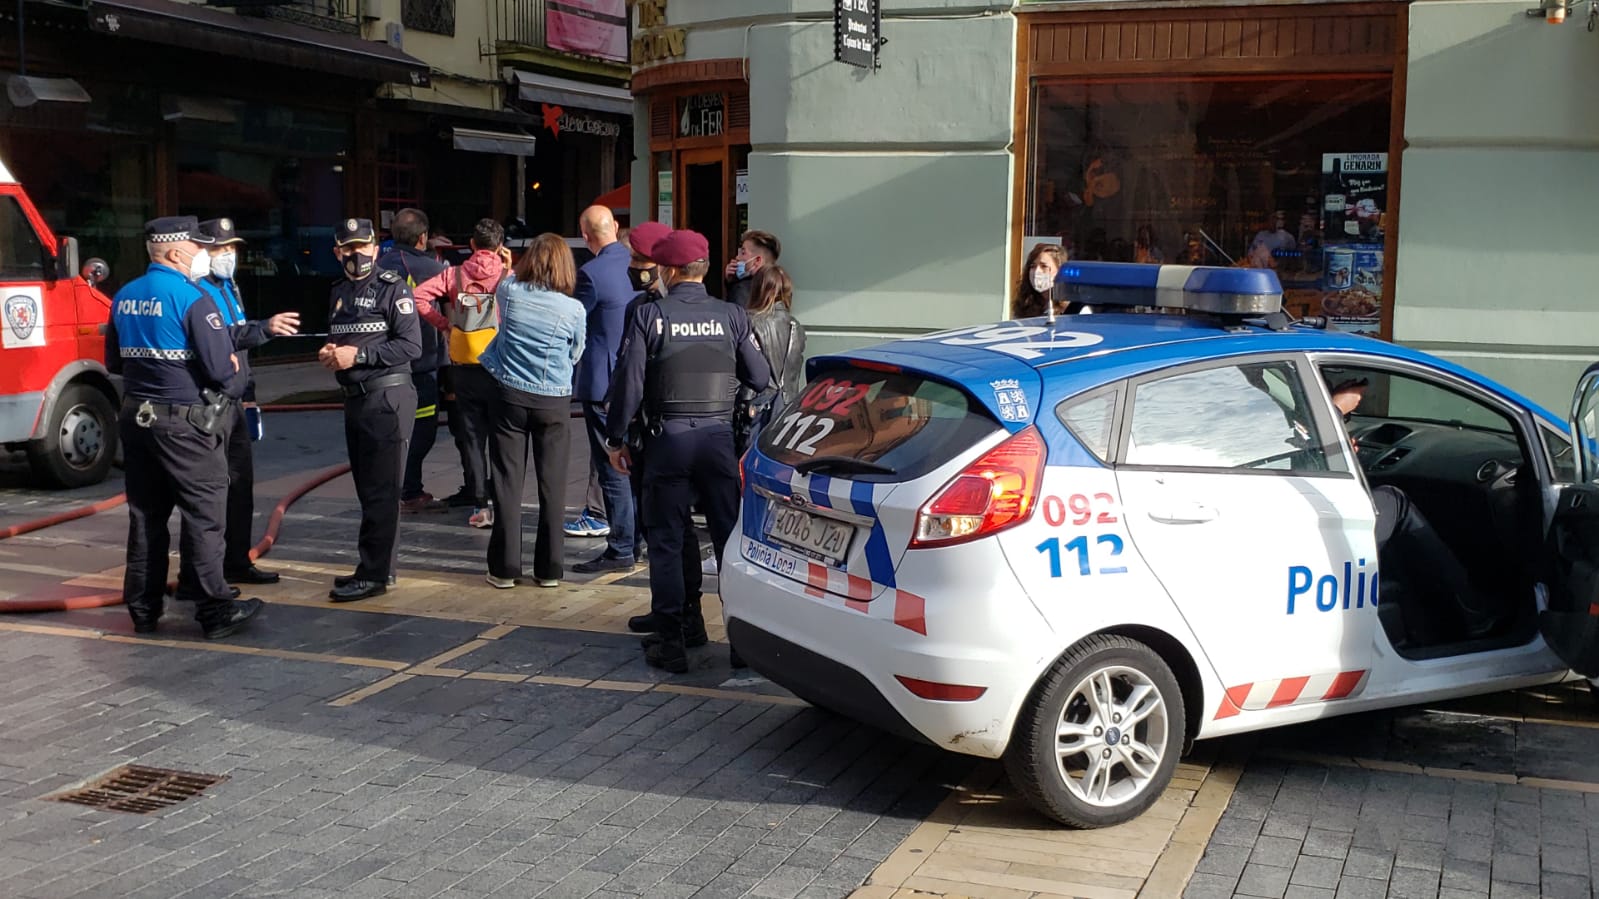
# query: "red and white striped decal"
x,y
1275,694
852,592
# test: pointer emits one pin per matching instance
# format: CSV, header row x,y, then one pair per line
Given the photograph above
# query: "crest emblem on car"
x,y
22,315
795,499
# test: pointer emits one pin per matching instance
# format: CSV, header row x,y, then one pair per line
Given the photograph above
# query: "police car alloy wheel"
x,y
1101,734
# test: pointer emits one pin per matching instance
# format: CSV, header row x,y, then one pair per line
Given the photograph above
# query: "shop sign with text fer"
x,y
701,115
857,31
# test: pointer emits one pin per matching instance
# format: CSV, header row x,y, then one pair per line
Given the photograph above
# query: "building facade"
x,y
1414,170
289,116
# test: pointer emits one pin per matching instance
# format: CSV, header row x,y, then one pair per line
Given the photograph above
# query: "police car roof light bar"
x,y
1195,288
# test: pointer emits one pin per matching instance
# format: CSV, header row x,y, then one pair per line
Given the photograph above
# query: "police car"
x,y
1081,545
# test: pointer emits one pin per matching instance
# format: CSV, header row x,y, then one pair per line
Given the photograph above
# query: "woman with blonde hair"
x,y
532,357
782,340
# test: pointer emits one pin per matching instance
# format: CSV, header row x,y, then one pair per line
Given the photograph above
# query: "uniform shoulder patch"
x,y
388,276
405,306
214,320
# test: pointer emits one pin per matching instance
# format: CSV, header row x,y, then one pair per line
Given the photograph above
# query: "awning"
x,y
192,26
538,88
503,142
621,198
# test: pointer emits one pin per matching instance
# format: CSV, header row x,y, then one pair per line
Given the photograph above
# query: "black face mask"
x,y
358,265
641,278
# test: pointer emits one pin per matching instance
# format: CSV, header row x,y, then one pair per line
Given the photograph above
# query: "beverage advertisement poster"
x,y
1354,201
590,27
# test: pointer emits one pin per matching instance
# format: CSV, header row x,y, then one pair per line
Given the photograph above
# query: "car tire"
x,y
1072,784
79,444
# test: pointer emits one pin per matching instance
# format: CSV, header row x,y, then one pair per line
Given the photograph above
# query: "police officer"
x,y
237,567
373,336
693,352
168,341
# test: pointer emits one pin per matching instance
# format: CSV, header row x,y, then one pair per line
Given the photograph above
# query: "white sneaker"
x,y
547,582
482,517
500,583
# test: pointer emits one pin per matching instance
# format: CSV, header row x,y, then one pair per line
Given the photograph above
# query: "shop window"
x,y
1286,173
432,16
21,255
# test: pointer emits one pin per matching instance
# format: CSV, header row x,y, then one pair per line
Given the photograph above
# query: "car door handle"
x,y
1184,513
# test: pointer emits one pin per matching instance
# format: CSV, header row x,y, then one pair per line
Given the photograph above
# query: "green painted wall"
x,y
1498,263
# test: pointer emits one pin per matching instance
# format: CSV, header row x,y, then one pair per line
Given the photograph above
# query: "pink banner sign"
x,y
590,27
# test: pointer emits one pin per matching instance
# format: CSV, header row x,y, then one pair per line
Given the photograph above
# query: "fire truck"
x,y
57,401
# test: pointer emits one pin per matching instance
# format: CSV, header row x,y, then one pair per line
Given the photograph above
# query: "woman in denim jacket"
x,y
532,357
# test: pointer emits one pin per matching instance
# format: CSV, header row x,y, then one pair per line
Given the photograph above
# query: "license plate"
x,y
819,538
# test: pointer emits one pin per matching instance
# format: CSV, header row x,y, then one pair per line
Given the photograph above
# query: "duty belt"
x,y
373,385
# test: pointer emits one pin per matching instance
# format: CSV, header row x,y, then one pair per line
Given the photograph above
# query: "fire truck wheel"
x,y
80,440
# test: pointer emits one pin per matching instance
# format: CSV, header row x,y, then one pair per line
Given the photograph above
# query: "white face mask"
x,y
223,265
1042,281
199,265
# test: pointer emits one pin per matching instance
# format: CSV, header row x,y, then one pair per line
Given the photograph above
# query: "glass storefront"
x,y
279,173
90,169
1286,172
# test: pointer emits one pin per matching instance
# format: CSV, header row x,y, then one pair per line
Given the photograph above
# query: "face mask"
x,y
640,278
199,265
1042,282
741,271
223,265
357,266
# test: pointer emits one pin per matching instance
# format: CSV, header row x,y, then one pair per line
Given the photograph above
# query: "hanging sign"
x,y
857,32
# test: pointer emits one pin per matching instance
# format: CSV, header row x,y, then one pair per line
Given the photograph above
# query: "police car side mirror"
x,y
95,271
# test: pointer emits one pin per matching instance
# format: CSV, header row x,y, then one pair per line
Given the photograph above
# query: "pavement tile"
x,y
1512,868
1210,886
1303,892
1317,872
1263,880
1413,883
1278,852
1326,843
1362,888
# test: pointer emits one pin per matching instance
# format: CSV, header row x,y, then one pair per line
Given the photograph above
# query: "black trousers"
x,y
524,421
690,462
241,496
472,423
377,427
173,464
1420,572
424,433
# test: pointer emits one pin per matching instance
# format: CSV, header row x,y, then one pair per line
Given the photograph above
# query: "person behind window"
x,y
1273,238
1036,288
1145,249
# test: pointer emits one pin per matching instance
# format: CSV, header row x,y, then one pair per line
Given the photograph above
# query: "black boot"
x,y
231,618
669,655
645,624
145,620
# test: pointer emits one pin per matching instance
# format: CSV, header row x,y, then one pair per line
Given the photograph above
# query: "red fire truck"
x,y
57,401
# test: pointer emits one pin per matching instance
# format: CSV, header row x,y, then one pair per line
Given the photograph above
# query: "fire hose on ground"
x,y
102,600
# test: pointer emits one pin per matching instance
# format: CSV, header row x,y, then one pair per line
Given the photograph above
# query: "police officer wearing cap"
x,y
237,567
373,336
168,340
682,361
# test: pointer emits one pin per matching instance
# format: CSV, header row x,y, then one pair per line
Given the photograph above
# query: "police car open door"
x,y
1570,624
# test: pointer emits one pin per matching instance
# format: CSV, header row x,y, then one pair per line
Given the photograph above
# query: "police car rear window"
x,y
904,422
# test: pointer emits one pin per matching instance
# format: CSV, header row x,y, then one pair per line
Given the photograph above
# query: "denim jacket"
x,y
539,341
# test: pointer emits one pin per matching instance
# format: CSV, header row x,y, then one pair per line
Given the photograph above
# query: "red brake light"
x,y
997,491
927,689
743,461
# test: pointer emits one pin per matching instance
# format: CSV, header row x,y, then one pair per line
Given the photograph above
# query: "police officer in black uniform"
x,y
247,334
167,339
373,336
692,351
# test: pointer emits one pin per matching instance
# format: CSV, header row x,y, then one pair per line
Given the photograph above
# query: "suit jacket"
x,y
604,291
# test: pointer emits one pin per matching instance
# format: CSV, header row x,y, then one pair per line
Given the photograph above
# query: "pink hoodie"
x,y
480,273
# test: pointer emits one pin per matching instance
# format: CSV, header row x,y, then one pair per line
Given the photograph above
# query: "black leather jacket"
x,y
786,356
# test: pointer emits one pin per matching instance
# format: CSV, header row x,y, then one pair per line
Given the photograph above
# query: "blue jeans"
x,y
614,485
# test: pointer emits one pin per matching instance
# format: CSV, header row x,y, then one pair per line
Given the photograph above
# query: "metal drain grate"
x,y
140,790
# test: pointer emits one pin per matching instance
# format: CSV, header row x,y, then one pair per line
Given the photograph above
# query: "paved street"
x,y
449,739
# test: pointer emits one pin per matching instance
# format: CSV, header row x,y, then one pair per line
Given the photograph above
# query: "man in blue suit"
x,y
604,290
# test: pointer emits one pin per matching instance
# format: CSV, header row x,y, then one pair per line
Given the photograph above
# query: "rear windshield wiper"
x,y
842,463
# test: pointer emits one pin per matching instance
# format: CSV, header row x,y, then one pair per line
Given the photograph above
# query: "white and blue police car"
x,y
1080,545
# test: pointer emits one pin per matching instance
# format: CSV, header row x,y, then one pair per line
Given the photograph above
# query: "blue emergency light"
x,y
1195,288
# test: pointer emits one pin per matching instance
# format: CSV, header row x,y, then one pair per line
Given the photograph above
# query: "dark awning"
x,y
262,40
503,142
